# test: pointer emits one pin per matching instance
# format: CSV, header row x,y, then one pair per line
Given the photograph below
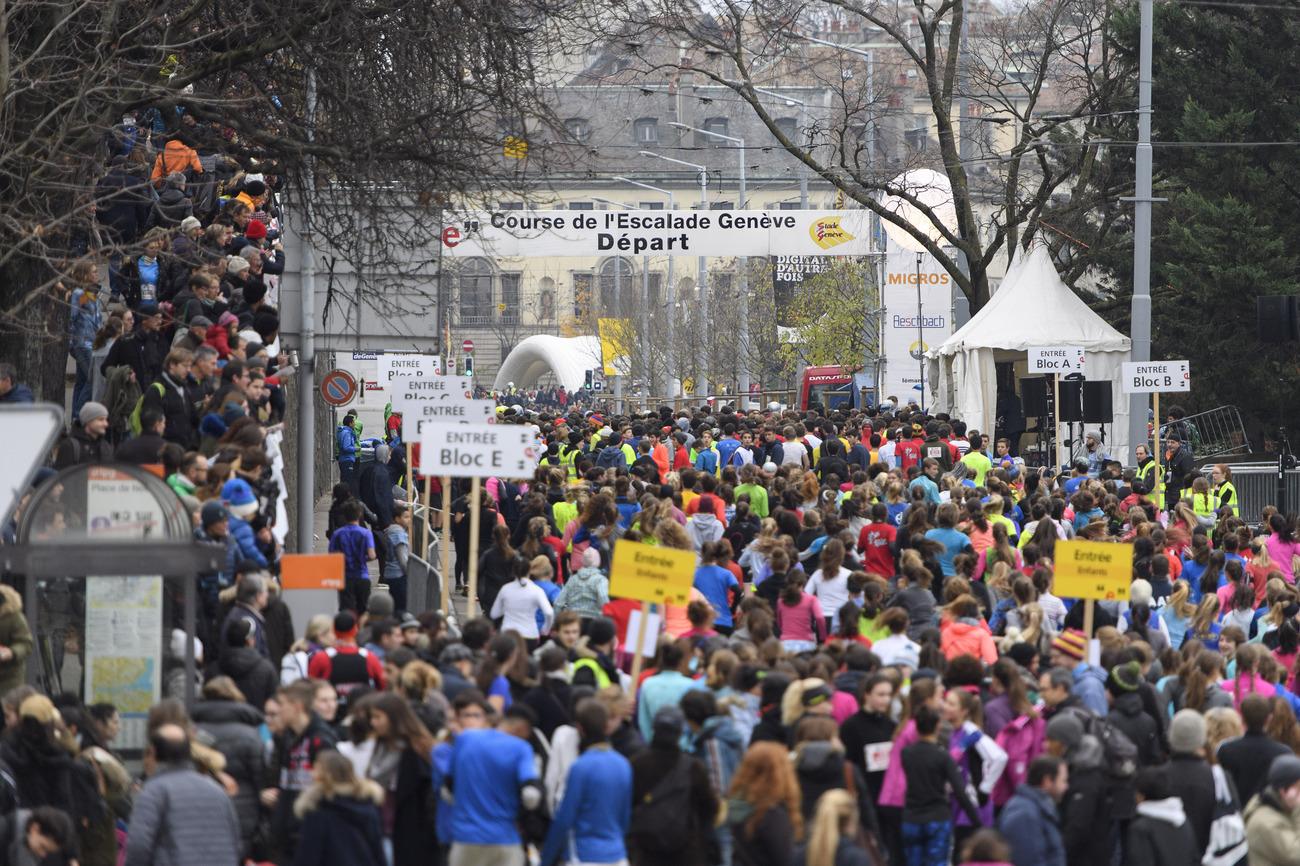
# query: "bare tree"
x,y
997,95
418,99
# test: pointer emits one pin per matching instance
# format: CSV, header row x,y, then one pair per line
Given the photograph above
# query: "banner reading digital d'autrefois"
x,y
909,332
658,233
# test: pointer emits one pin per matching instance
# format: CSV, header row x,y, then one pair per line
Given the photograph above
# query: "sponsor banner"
x,y
659,233
910,331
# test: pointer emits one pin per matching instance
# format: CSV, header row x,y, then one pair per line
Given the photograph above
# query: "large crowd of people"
x,y
872,668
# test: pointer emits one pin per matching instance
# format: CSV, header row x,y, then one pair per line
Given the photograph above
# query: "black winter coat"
x,y
124,205
78,448
1156,842
179,404
1191,778
1247,759
1086,807
234,728
341,832
415,812
251,672
651,766
1128,716
141,352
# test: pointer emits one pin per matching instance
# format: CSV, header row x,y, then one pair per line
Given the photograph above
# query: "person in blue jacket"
x,y
241,504
592,819
346,440
1067,652
1030,821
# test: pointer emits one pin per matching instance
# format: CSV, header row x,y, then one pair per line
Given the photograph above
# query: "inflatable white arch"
x,y
567,357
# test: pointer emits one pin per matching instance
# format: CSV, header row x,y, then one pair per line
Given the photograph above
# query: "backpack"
x,y
1119,752
133,421
661,820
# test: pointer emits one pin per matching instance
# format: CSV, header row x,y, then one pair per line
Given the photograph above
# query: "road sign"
x,y
660,575
28,431
598,385
1148,377
477,450
311,571
1064,360
338,387
1093,569
395,366
467,346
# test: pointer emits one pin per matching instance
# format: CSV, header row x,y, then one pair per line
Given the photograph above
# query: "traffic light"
x,y
469,365
587,382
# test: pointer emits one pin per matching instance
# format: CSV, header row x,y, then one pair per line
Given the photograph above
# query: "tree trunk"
x,y
35,338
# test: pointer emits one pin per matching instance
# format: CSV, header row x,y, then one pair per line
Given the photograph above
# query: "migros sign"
x,y
910,279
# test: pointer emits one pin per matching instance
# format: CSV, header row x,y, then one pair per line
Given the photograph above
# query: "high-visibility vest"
x,y
1231,501
1148,474
569,459
1205,506
602,678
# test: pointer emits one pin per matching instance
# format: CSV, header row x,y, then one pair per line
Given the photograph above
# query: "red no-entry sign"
x,y
468,346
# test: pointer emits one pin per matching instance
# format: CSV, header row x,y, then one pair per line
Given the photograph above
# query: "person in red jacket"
x,y
346,665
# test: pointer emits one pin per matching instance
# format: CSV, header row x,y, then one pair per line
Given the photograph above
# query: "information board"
x,y
660,575
1093,569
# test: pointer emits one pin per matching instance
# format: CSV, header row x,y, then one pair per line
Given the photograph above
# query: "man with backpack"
x,y
86,442
673,802
1086,808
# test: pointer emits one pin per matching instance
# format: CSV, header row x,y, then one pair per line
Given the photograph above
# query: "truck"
x,y
835,385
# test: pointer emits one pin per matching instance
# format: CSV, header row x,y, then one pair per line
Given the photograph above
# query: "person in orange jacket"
x,y
176,156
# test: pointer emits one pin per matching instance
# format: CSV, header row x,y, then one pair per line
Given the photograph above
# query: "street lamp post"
x,y
744,263
920,331
645,303
803,139
645,306
701,281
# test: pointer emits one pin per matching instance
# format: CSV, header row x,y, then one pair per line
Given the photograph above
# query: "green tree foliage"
x,y
831,315
1226,100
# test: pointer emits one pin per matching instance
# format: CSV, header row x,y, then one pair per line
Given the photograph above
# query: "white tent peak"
x,y
1034,307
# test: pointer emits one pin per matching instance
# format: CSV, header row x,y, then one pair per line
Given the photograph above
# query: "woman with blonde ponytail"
x,y
832,840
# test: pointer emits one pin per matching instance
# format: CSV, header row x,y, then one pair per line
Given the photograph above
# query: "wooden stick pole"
x,y
1056,422
424,549
445,544
1159,452
1088,606
474,520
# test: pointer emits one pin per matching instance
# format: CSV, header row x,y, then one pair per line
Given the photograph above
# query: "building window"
x,y
475,289
545,299
579,128
651,205
917,137
582,205
715,124
509,299
647,130
791,205
581,295
652,292
789,127
623,268
510,205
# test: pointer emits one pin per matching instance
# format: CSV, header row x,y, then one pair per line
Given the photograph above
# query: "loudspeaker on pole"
x,y
1033,397
1097,404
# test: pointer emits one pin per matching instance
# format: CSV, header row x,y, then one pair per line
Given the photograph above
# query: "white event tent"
x,y
568,358
1032,308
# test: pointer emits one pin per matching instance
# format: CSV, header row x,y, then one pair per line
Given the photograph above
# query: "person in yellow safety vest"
x,y
1204,502
1146,473
1222,475
595,664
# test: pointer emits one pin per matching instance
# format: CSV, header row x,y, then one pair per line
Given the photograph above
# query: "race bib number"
x,y
877,755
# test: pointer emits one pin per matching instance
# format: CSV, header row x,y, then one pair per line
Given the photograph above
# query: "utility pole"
x,y
669,364
307,341
1142,201
702,354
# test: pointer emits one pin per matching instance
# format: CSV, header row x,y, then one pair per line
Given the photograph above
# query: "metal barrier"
x,y
1215,433
1256,485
